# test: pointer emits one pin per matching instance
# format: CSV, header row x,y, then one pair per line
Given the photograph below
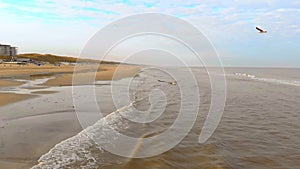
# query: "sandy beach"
x,y
28,131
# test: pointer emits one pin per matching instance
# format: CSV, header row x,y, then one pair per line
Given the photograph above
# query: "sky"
x,y
63,27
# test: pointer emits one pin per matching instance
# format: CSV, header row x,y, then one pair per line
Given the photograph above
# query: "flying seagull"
x,y
261,30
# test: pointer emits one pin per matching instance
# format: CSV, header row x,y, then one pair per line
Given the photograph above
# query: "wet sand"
x,y
31,124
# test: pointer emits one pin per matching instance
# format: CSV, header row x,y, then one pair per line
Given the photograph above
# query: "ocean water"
x,y
259,127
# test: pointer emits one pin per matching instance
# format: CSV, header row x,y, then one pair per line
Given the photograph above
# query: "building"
x,y
7,50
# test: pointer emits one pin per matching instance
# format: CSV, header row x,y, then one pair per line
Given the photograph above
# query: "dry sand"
x,y
9,83
31,134
105,73
7,98
30,70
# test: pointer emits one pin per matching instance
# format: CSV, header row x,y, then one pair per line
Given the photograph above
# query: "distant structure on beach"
x,y
7,50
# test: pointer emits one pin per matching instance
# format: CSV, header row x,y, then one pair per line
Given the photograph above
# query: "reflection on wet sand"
x,y
36,116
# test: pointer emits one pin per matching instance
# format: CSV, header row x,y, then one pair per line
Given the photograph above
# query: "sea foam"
x,y
270,80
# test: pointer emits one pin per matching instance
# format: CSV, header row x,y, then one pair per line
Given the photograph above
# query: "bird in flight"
x,y
261,30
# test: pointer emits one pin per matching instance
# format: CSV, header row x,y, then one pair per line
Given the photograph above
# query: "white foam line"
x,y
70,151
286,82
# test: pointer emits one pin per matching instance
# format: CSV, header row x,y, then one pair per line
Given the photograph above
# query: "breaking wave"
x,y
80,151
269,80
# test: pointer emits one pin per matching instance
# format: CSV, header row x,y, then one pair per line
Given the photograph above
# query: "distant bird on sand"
x,y
172,83
261,30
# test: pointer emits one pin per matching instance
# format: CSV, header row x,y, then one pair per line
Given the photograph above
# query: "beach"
x,y
258,129
36,109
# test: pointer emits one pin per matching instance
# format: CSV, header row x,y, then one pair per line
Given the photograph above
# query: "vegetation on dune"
x,y
53,58
47,58
5,58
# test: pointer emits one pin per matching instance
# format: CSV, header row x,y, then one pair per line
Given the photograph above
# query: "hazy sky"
x,y
64,26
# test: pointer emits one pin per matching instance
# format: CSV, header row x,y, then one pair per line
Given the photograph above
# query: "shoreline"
x,y
31,124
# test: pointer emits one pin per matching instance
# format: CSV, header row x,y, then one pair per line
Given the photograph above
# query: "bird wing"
x,y
259,29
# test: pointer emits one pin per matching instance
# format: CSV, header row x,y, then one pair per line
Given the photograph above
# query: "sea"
x,y
258,127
